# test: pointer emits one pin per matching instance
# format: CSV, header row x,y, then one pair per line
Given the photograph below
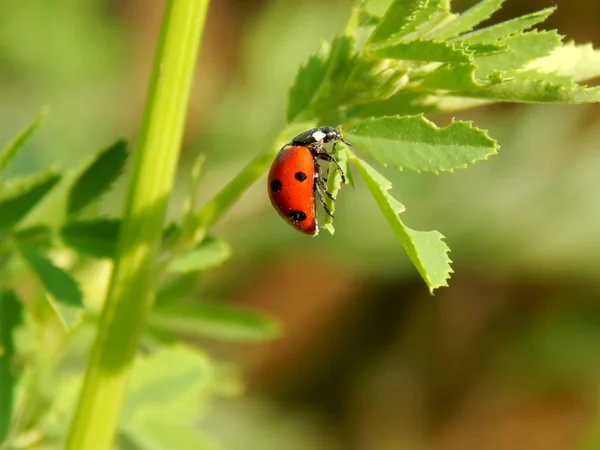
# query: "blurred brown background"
x,y
507,358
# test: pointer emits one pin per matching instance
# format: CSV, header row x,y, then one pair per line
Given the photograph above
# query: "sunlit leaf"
x,y
306,85
469,19
581,62
499,31
425,51
426,249
451,77
523,48
399,15
536,87
416,143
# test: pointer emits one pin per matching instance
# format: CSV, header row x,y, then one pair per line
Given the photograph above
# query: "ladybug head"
x,y
331,134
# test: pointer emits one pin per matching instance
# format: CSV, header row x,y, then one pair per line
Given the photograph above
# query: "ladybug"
x,y
295,178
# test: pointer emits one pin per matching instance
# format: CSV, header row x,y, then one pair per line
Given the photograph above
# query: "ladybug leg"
x,y
323,186
321,199
329,158
319,179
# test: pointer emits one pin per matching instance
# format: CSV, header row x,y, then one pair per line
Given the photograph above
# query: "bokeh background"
x,y
507,358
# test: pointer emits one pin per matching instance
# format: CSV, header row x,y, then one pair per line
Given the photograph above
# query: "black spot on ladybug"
x,y
276,185
298,216
300,176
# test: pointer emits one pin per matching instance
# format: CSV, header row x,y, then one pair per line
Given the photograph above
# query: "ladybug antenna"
x,y
345,142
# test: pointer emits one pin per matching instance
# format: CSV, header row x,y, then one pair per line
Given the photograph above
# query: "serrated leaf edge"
x,y
433,126
385,190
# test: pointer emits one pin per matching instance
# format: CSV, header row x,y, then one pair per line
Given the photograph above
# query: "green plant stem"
x,y
221,203
134,278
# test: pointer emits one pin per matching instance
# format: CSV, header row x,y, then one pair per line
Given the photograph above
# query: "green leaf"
x,y
177,288
11,315
451,77
523,48
306,85
469,19
172,376
425,51
424,19
96,238
334,184
97,177
19,198
404,102
57,282
168,392
215,320
8,153
376,8
154,431
581,62
535,87
397,17
426,249
416,143
209,253
321,90
502,30
37,235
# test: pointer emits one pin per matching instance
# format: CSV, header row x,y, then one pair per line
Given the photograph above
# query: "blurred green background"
x,y
507,358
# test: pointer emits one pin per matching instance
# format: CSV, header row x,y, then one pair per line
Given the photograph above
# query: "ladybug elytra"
x,y
295,178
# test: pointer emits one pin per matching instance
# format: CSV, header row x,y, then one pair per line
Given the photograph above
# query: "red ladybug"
x,y
295,177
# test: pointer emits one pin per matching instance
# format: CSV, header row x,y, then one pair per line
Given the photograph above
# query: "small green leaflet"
x,y
581,62
535,87
399,15
166,399
57,282
36,235
451,77
96,238
524,47
434,12
209,253
425,51
426,249
11,315
165,377
416,143
404,102
9,153
161,428
215,320
469,19
505,29
20,197
98,177
334,184
305,86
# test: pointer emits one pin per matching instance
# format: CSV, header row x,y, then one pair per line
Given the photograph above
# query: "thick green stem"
x,y
134,279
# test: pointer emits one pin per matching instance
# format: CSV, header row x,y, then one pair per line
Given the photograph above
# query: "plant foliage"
x,y
393,65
